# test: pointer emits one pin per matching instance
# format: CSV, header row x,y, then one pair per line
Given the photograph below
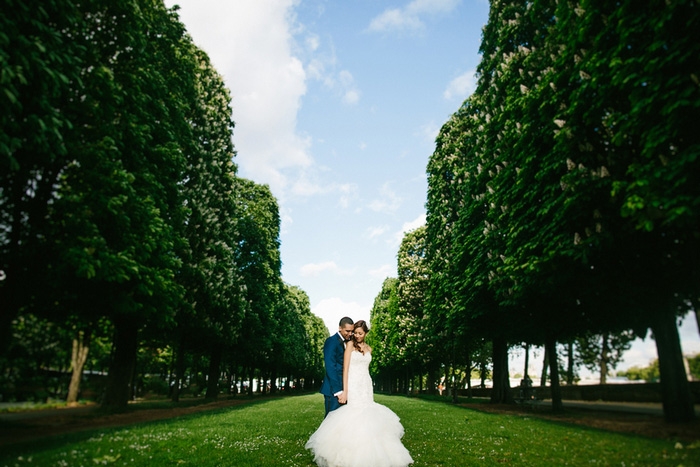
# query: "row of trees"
x,y
120,209
563,195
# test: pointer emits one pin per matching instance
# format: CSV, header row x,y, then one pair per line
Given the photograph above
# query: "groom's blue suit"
x,y
333,353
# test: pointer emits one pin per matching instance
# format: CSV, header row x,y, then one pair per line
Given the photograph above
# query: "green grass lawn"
x,y
273,433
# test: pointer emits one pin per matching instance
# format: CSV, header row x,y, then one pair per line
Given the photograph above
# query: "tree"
x,y
40,66
412,321
213,305
258,260
384,335
626,104
603,352
650,374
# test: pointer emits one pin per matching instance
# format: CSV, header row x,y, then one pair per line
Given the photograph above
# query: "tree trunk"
x,y
500,394
482,374
527,361
570,363
430,383
229,383
545,366
81,347
179,371
121,369
273,381
469,374
675,390
604,357
551,350
213,373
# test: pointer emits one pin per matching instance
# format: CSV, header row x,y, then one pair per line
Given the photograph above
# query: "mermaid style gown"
x,y
360,433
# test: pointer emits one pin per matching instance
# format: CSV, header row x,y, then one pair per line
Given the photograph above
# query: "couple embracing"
x,y
356,432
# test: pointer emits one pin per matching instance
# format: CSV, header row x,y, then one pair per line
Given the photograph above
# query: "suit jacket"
x,y
333,354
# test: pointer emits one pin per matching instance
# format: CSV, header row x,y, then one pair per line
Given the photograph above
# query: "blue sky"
x,y
337,104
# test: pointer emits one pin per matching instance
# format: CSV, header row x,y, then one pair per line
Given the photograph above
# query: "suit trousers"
x,y
331,403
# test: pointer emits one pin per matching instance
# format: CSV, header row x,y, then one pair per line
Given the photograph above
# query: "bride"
x,y
361,433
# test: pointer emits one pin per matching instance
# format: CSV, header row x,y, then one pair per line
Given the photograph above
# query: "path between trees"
x,y
640,419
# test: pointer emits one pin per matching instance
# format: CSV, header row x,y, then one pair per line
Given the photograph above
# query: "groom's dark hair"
x,y
344,321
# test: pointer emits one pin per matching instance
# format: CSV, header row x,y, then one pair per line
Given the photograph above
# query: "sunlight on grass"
x,y
274,432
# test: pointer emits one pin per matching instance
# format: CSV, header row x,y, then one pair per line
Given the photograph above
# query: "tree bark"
x,y
482,374
675,390
121,368
213,373
551,350
179,371
500,394
81,347
570,364
527,361
545,366
604,360
469,374
430,383
229,383
273,381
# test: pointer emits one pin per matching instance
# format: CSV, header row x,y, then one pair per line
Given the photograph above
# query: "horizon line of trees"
x,y
563,198
124,228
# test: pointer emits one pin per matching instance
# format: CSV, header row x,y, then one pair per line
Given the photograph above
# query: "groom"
x,y
333,353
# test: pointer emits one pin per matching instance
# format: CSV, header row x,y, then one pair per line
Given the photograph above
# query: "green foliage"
x,y
414,342
273,433
118,194
650,373
563,194
602,353
257,257
384,334
694,366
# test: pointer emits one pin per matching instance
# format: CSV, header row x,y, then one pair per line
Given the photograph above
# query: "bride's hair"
x,y
359,324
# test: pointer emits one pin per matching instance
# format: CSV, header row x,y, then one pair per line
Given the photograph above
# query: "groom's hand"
x,y
342,398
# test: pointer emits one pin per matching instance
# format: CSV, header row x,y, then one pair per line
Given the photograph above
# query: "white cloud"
x,y
346,82
409,17
351,97
307,185
414,224
312,42
348,192
383,271
388,202
462,86
407,227
429,132
373,232
314,269
331,310
285,219
251,43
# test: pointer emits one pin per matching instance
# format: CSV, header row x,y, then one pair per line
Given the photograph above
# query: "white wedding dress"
x,y
360,433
